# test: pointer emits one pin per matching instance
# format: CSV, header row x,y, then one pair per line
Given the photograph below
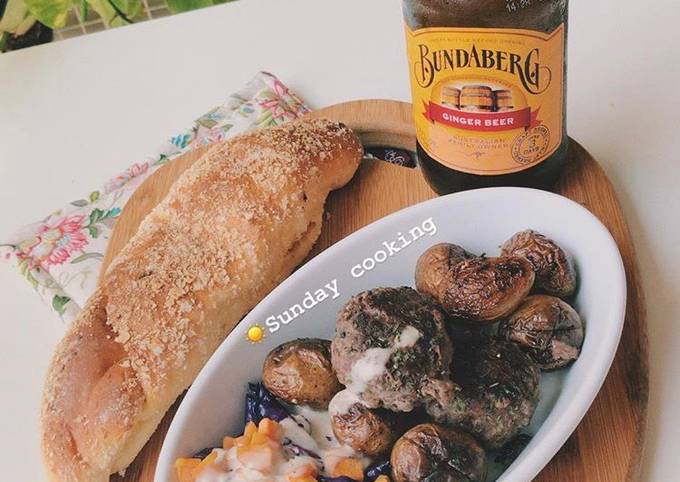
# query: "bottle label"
x,y
487,101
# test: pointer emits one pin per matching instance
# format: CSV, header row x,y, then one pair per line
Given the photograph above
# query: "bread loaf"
x,y
231,228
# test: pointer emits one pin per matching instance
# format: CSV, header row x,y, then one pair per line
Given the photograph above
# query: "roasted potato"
x,y
437,453
555,273
548,329
300,372
370,431
434,267
476,290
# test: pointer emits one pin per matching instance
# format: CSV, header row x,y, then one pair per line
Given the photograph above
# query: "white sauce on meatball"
x,y
372,364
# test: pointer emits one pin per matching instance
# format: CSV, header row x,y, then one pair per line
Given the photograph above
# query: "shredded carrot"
x,y
304,478
228,442
209,460
185,468
242,441
259,438
250,429
349,467
270,428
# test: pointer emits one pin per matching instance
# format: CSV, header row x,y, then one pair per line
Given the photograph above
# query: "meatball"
x,y
389,344
300,372
547,329
497,391
480,290
555,273
438,454
434,267
370,431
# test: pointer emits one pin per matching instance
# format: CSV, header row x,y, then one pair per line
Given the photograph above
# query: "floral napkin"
x,y
61,255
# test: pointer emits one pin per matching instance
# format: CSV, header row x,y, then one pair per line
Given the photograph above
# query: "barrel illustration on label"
x,y
487,102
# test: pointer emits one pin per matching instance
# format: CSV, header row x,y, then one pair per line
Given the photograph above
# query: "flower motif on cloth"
x,y
55,244
61,255
133,173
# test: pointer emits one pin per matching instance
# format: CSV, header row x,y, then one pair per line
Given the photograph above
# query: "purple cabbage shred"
x,y
299,450
201,454
260,403
376,469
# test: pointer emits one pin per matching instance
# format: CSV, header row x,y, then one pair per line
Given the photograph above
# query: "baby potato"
x,y
548,329
434,267
434,452
300,372
370,431
555,273
474,290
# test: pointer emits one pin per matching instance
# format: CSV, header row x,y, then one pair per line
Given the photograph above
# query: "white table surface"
x,y
75,112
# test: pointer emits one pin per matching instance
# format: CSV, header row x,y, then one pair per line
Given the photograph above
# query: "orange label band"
x,y
487,101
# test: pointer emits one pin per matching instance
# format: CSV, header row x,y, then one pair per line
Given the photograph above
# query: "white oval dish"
x,y
479,220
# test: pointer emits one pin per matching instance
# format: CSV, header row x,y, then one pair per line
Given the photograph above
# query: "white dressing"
x,y
342,402
371,365
297,434
320,428
309,429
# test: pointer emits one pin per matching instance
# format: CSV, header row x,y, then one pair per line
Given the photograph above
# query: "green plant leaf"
x,y
94,195
96,215
25,270
94,231
105,8
59,303
25,26
177,6
86,256
13,16
52,13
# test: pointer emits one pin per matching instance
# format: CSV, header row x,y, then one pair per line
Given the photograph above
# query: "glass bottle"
x,y
506,62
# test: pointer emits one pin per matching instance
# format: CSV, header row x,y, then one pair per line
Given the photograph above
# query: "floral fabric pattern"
x,y
61,255
53,245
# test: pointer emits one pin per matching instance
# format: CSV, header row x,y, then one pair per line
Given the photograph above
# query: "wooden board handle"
x,y
379,123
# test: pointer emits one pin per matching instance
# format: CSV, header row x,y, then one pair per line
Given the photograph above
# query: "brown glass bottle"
x,y
520,162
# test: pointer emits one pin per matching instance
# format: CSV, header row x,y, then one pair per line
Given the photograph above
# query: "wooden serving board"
x,y
607,444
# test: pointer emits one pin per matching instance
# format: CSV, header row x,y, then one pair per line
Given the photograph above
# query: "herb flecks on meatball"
x,y
391,343
497,391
